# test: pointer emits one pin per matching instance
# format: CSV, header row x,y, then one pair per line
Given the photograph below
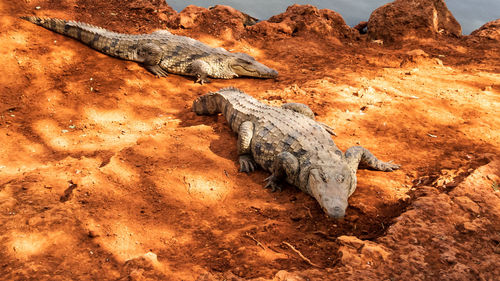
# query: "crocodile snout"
x,y
336,213
334,208
273,73
267,72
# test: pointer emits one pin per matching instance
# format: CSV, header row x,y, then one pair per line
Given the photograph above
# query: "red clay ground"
x,y
105,173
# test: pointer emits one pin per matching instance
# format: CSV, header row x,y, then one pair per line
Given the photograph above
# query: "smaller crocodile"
x,y
162,52
289,143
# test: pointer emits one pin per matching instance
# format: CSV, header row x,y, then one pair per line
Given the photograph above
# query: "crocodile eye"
x,y
243,61
340,178
317,175
323,177
245,56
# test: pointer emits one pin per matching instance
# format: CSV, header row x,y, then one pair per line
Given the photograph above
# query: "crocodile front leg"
x,y
200,69
360,156
285,165
307,111
299,108
245,134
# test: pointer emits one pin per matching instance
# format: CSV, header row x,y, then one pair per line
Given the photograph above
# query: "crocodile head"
x,y
242,64
331,188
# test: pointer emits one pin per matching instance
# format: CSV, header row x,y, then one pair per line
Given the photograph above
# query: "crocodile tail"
x,y
83,32
207,104
56,25
96,37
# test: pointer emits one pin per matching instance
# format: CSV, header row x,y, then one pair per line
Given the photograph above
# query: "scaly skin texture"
x,y
162,52
289,143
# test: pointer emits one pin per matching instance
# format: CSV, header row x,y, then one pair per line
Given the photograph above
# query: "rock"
x,y
437,61
490,30
403,19
283,275
362,27
143,267
356,252
188,16
300,20
417,52
418,57
467,204
228,275
449,256
469,226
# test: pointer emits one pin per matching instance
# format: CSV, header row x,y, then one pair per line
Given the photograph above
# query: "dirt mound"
x,y
156,13
299,20
218,20
446,223
490,30
403,19
231,24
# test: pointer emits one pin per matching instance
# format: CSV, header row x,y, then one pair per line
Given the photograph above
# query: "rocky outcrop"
x,y
219,20
193,16
490,30
303,20
298,20
403,19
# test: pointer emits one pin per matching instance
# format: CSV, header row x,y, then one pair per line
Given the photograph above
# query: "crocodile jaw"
x,y
255,70
245,65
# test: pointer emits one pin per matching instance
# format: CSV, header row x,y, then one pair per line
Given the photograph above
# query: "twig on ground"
x,y
308,210
300,254
325,235
256,241
189,185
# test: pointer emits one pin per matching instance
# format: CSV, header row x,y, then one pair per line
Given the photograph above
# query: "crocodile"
x,y
294,147
162,52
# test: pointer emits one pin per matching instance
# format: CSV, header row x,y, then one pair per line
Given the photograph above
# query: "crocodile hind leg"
x,y
307,111
150,55
245,134
360,156
284,165
200,69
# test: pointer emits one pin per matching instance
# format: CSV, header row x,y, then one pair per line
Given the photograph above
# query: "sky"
x,y
471,14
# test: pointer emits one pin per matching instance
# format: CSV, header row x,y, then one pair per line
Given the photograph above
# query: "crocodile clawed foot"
x,y
247,165
202,80
272,183
328,128
389,166
157,70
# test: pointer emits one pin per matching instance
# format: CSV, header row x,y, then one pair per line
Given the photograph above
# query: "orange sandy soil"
x,y
105,173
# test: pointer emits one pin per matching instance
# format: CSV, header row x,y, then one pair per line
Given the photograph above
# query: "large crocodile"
x,y
161,51
289,143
